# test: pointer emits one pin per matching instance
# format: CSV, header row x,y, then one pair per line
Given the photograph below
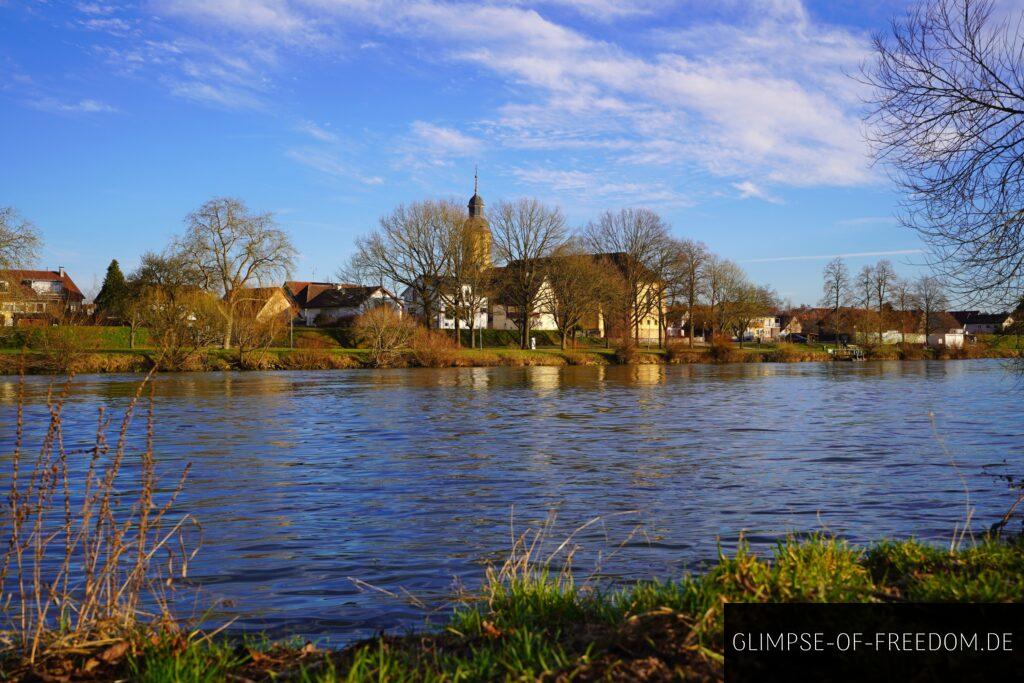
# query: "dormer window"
x,y
4,286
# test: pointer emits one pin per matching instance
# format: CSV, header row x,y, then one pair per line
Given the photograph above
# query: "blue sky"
x,y
739,124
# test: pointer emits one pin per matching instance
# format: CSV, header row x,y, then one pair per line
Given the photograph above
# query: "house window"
x,y
4,287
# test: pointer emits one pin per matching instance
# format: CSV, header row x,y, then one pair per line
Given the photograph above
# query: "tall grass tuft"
x,y
91,549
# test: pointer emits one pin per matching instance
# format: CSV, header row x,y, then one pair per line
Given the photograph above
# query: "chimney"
x,y
60,269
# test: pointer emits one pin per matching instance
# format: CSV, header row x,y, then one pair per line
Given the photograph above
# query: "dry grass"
x,y
91,552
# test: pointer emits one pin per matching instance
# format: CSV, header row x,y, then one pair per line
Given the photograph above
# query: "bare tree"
x,y
947,116
233,248
258,323
19,239
411,250
385,333
525,233
930,297
181,317
902,301
884,278
577,289
865,295
747,302
722,279
633,241
836,290
691,260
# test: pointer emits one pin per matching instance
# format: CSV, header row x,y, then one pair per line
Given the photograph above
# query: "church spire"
x,y
476,203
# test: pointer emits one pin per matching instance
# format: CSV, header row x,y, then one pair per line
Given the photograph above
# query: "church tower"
x,y
476,224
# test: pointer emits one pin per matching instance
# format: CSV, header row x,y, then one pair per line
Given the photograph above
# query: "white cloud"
x,y
749,190
85,106
759,100
316,132
593,185
826,257
261,15
764,99
329,164
441,140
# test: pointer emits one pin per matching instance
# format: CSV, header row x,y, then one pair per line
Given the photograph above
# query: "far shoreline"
x,y
14,362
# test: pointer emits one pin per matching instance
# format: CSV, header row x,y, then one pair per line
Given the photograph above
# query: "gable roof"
x,y
23,279
330,294
979,318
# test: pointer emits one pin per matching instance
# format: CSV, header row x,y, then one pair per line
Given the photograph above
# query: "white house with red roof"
x,y
27,295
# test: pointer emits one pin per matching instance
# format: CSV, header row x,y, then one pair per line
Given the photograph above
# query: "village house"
x,y
976,322
443,318
336,304
268,302
36,297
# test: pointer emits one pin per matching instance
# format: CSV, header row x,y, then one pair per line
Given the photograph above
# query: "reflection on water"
x,y
407,479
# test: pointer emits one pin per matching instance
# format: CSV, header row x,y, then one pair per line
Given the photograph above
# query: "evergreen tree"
x,y
114,293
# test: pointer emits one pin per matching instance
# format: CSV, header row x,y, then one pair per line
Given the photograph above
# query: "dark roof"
x,y
349,296
330,294
979,318
303,292
22,278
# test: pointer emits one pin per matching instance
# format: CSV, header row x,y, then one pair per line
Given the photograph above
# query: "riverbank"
x,y
30,361
534,622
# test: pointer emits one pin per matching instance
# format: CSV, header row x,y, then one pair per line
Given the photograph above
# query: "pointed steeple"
x,y
476,203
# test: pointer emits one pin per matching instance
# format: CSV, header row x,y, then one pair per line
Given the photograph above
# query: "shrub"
x,y
385,333
722,350
313,342
678,352
907,351
432,349
315,359
479,359
875,351
626,352
578,358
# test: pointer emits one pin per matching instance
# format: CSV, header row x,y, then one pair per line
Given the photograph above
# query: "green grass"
x,y
531,621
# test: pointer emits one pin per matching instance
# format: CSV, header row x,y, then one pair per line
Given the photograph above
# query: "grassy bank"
x,y
14,361
530,622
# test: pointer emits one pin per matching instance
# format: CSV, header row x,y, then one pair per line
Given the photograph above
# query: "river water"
x,y
412,481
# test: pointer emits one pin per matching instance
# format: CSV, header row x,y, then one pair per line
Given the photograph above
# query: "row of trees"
x,y
625,266
879,291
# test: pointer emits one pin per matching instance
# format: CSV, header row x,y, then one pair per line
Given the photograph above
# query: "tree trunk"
x,y
228,328
458,328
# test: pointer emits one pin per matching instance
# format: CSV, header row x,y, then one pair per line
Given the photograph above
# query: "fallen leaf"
x,y
114,652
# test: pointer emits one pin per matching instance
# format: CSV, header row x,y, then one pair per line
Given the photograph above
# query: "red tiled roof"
x,y
19,277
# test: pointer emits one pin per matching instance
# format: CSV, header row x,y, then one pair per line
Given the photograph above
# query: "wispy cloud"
x,y
329,164
443,140
761,99
262,15
316,132
751,190
586,185
826,257
866,220
85,106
